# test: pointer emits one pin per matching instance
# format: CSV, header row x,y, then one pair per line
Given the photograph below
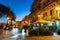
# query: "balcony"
x,y
49,3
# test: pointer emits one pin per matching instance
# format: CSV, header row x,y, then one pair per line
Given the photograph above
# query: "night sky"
x,y
21,8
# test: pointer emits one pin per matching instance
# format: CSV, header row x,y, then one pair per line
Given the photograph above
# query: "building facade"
x,y
45,9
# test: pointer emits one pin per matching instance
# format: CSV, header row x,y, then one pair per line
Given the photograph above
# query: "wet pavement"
x,y
43,38
9,35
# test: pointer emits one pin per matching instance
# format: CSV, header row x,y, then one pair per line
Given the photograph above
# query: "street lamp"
x,y
56,8
38,15
13,22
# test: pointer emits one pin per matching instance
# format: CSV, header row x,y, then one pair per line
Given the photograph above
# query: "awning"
x,y
44,21
41,21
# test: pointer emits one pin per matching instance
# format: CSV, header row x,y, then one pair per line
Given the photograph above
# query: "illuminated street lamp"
x,y
57,8
13,22
7,17
38,15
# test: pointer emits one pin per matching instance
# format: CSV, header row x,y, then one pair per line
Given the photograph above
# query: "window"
x,y
53,0
57,0
59,13
44,3
39,7
50,12
48,1
39,0
45,14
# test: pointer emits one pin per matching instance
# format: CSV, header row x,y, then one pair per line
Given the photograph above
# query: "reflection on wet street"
x,y
9,35
43,38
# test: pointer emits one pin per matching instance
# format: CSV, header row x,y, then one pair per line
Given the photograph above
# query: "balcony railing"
x,y
49,3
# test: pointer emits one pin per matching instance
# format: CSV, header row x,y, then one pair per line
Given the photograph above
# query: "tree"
x,y
11,15
3,10
6,11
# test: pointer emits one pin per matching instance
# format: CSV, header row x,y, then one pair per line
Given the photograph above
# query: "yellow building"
x,y
45,9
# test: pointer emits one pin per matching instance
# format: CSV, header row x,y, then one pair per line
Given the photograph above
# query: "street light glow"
x,y
8,18
13,22
38,15
57,8
23,33
15,30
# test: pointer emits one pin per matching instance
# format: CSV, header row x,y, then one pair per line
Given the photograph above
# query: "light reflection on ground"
x,y
55,34
6,35
14,31
14,34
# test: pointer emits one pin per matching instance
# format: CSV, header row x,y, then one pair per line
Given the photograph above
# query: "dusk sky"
x,y
21,8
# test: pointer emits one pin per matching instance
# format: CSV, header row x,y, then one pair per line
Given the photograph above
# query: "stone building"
x,y
45,9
